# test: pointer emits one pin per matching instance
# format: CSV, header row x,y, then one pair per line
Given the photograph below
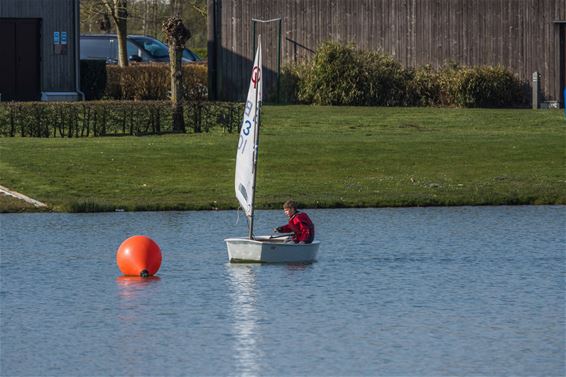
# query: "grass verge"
x,y
321,156
9,204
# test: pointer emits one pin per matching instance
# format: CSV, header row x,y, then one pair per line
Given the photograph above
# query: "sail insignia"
x,y
243,191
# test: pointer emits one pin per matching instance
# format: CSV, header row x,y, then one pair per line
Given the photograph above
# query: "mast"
x,y
258,74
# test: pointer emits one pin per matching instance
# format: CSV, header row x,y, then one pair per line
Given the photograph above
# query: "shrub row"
x,y
140,81
112,118
345,75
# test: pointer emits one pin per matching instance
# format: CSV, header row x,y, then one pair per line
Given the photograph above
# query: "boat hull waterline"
x,y
267,250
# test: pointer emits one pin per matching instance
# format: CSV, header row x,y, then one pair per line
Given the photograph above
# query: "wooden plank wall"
x,y
57,71
519,34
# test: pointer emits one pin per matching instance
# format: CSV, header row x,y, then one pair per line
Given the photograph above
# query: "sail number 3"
x,y
243,136
246,127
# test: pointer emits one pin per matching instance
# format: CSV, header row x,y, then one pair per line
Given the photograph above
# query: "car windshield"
x,y
153,47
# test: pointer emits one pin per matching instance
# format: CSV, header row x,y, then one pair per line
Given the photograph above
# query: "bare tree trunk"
x,y
118,9
145,16
122,31
176,35
154,19
176,8
177,95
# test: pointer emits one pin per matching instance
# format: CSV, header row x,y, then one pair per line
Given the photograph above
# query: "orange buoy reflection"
x,y
139,256
136,281
131,286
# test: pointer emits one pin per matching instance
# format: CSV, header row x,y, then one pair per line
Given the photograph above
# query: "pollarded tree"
x,y
176,35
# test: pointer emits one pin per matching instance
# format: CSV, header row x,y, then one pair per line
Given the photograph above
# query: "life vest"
x,y
302,226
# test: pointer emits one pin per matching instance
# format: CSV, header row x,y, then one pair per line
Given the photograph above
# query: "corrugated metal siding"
x,y
519,34
57,72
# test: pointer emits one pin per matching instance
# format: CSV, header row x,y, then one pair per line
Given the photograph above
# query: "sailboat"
x,y
261,249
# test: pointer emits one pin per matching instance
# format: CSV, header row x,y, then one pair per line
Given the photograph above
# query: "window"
x,y
153,47
97,48
134,50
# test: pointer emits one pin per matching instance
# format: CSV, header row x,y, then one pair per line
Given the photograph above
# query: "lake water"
x,y
421,291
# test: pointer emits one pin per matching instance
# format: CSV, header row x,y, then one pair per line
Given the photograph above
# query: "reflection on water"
x,y
129,286
298,266
243,295
134,292
134,297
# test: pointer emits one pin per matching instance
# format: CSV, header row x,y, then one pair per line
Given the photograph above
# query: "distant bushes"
x,y
345,75
337,75
426,87
140,81
485,87
112,118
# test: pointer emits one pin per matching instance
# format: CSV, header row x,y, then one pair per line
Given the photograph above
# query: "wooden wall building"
x,y
40,57
523,35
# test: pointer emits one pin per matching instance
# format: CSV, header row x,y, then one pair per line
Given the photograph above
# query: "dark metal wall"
x,y
522,35
57,71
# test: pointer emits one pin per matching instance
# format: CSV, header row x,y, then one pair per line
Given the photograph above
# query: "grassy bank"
x,y
322,156
10,204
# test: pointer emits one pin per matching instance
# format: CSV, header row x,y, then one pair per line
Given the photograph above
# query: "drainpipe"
x,y
77,49
536,90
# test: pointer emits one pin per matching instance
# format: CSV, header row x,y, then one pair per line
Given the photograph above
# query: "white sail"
x,y
246,156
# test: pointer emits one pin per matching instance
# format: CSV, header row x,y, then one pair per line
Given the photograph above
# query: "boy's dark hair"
x,y
290,204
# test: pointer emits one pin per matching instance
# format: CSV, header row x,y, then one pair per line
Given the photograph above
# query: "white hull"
x,y
266,250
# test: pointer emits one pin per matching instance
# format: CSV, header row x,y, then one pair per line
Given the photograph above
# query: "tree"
x,y
176,35
94,17
146,17
118,10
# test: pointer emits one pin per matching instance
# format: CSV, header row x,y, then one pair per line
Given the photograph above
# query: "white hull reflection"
x,y
245,321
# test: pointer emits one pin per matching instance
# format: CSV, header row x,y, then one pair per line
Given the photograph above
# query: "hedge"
x,y
345,75
140,81
113,118
153,82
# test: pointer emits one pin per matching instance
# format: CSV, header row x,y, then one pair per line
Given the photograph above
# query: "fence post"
x,y
536,87
279,61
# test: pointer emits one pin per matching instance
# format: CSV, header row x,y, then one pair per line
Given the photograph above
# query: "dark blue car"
x,y
141,48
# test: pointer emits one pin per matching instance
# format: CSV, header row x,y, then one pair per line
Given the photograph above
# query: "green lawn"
x,y
321,156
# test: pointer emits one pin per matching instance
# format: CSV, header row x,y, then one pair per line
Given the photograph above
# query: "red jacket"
x,y
301,225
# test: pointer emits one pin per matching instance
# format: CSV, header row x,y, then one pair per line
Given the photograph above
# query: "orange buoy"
x,y
139,256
